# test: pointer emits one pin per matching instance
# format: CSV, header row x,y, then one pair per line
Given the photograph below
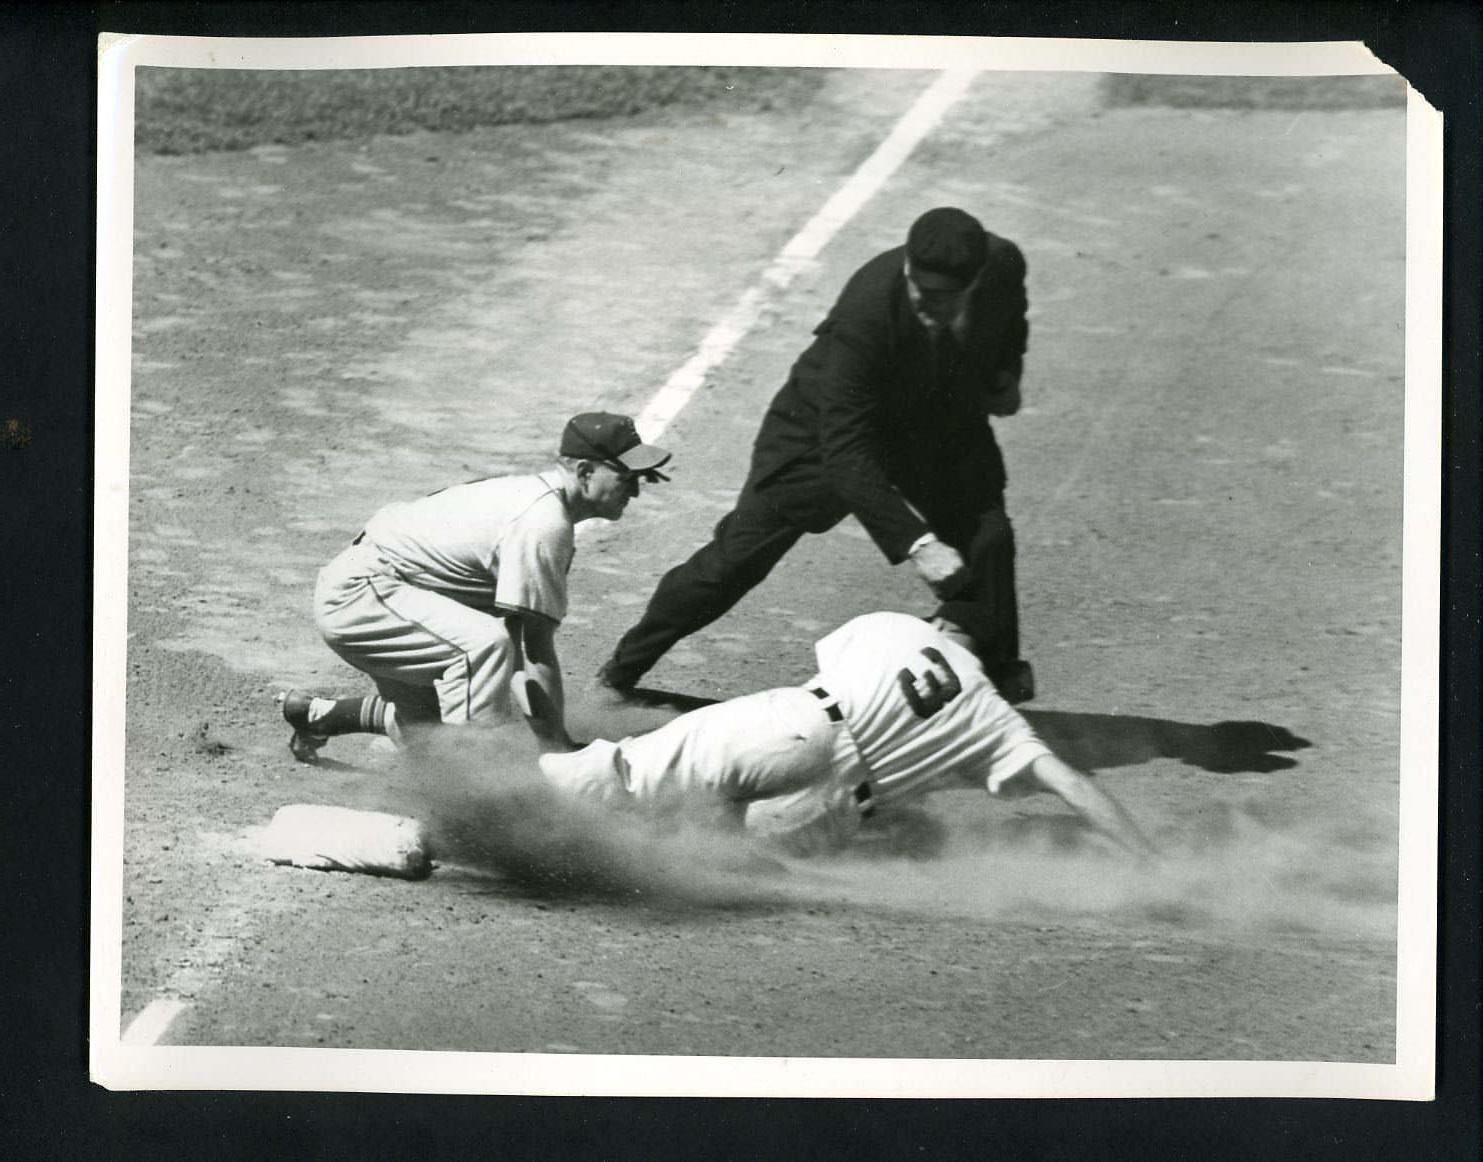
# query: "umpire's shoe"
x,y
609,688
303,744
1014,680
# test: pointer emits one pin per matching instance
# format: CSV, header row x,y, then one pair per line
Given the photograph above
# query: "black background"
x,y
47,181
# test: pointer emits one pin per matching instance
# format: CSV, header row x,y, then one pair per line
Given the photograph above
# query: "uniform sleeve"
x,y
850,437
1009,770
535,556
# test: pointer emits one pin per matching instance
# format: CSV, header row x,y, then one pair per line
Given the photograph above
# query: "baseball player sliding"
x,y
451,602
896,709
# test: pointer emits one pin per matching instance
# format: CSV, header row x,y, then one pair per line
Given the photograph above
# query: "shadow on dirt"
x,y
642,711
1093,741
323,764
669,699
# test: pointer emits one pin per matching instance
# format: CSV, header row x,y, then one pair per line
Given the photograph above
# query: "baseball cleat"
x,y
303,744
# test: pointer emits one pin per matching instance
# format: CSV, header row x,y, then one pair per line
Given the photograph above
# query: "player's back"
x,y
919,706
452,541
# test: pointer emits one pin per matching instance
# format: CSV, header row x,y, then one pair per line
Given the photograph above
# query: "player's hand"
x,y
941,567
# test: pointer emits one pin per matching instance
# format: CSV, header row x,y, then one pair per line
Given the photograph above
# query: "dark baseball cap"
x,y
612,439
946,247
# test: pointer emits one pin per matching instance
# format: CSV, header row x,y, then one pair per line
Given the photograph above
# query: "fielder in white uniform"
x,y
451,602
896,710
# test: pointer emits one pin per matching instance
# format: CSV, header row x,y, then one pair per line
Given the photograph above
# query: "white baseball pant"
x,y
434,658
716,760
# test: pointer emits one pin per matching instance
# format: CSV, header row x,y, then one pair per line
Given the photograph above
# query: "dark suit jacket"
x,y
871,422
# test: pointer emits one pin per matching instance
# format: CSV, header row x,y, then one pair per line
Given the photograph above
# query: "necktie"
x,y
944,355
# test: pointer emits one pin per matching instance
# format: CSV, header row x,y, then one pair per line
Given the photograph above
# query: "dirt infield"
x,y
1205,481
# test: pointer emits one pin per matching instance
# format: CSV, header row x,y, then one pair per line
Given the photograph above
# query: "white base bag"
x,y
342,839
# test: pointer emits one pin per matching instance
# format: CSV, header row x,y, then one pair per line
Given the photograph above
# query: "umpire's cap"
x,y
614,440
946,247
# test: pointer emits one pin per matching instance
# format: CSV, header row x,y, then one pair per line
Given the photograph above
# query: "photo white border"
x,y
126,1067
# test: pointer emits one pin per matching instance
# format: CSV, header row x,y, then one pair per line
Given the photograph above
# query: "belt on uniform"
x,y
830,703
861,794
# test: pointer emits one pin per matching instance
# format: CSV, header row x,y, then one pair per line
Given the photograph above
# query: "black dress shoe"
x,y
609,688
1014,680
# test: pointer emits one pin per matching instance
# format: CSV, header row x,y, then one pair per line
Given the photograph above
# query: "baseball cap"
x,y
946,247
614,440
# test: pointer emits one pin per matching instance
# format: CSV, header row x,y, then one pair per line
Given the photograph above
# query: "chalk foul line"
x,y
153,1020
803,248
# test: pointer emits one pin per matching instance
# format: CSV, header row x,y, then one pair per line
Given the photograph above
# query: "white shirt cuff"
x,y
926,538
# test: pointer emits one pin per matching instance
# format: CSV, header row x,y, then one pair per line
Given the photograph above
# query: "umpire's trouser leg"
x,y
743,549
987,607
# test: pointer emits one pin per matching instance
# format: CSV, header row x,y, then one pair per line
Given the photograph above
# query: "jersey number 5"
x,y
928,692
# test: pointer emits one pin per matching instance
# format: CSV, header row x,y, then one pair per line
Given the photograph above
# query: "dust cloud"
x,y
1228,869
487,808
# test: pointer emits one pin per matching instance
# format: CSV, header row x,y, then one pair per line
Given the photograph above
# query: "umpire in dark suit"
x,y
884,416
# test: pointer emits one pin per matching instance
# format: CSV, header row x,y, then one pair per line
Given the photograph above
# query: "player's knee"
x,y
476,687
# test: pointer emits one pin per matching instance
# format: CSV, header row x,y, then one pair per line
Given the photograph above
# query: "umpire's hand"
x,y
940,566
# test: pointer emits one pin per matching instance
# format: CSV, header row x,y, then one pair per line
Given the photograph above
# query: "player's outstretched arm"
x,y
1093,804
536,684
